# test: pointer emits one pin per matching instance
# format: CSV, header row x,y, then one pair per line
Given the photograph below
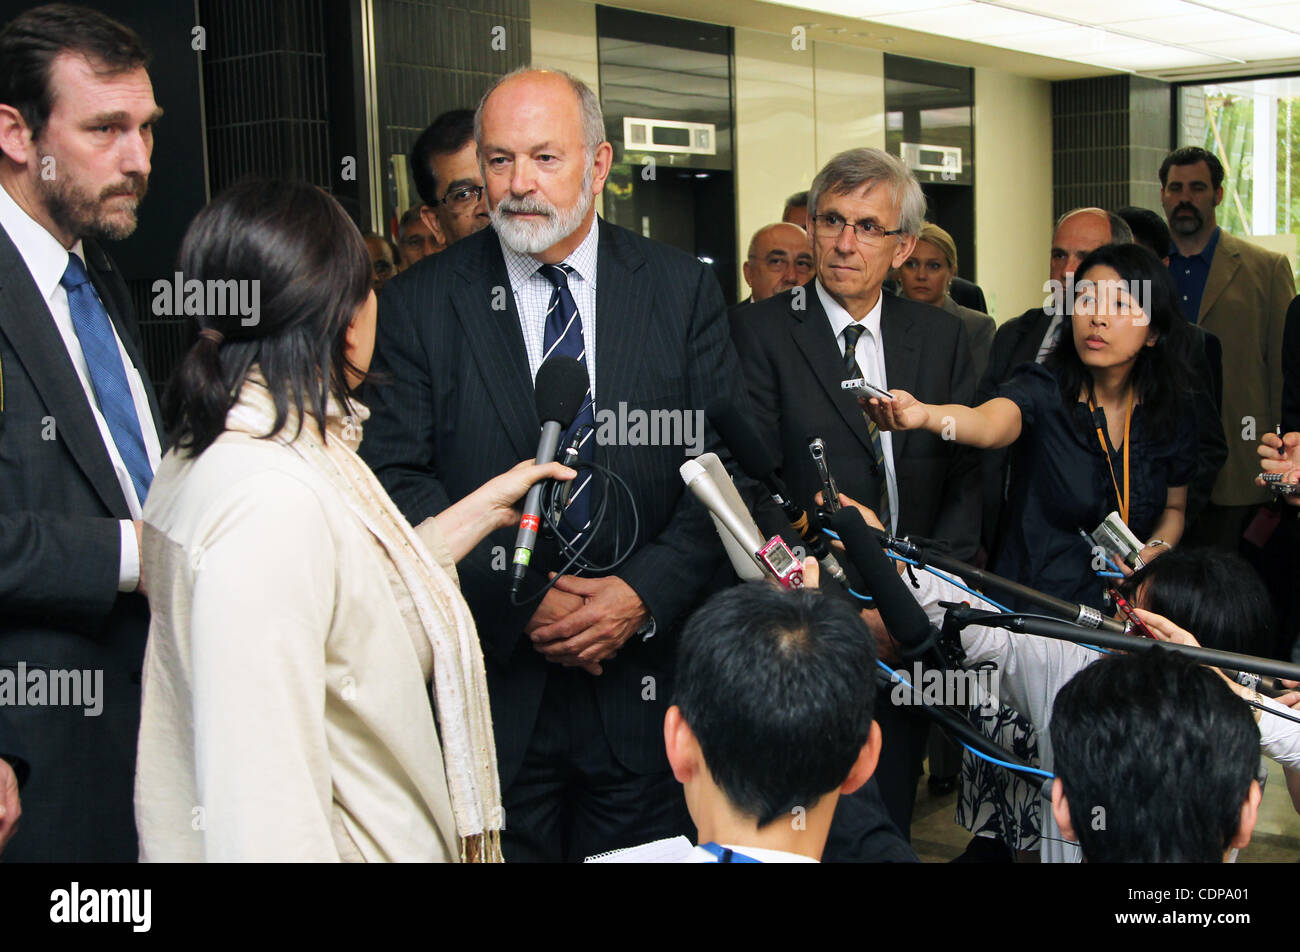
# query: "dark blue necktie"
x,y
564,338
107,374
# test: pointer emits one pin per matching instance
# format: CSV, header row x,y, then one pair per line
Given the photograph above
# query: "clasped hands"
x,y
582,622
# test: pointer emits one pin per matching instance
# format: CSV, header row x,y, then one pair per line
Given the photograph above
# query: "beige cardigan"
x,y
286,711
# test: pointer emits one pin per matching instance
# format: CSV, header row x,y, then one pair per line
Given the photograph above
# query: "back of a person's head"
x,y
1149,229
778,688
1214,594
1155,756
292,249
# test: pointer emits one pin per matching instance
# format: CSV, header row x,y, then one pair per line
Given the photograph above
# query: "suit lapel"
x,y
812,335
1031,340
496,342
624,295
902,355
1222,269
26,321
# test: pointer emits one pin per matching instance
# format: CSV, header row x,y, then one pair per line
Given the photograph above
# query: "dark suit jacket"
x,y
793,367
457,408
60,549
1018,341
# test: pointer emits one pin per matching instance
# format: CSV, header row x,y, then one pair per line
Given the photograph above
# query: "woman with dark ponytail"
x,y
300,626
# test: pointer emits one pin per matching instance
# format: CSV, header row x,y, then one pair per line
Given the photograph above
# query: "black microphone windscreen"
x,y
903,617
739,436
560,389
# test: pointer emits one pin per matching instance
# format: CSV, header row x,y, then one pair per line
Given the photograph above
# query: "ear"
x,y
1061,811
600,167
682,746
865,765
1249,816
746,271
430,218
15,136
1218,196
904,251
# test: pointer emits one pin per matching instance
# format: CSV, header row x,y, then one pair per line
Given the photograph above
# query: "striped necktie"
x,y
851,335
564,338
107,373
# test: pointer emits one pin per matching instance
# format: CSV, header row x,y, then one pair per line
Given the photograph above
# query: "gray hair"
x,y
593,120
849,171
1120,232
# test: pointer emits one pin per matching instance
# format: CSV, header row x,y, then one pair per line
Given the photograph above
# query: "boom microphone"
x,y
747,448
903,617
559,390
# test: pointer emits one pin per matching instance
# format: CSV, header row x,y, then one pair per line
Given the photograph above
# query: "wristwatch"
x,y
1154,542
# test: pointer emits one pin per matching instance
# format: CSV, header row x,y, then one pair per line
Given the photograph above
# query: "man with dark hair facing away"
x,y
771,721
1155,762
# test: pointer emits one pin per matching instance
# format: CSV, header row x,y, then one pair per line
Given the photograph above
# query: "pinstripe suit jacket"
x,y
453,406
60,545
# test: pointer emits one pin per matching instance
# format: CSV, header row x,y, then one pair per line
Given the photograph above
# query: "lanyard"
x,y
1104,439
725,855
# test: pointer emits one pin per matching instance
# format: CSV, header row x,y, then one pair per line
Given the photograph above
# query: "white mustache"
x,y
525,206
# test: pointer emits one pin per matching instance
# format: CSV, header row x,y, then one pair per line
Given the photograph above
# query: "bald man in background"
x,y
780,258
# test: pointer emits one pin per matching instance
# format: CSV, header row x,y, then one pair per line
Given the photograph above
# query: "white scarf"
x,y
459,681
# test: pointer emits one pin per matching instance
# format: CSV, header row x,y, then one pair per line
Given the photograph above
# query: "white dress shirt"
x,y
532,292
1049,339
870,354
47,260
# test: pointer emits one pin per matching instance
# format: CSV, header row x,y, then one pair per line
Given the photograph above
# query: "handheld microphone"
x,y
771,556
559,390
903,616
747,448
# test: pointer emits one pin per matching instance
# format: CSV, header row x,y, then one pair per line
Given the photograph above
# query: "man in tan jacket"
x,y
1239,292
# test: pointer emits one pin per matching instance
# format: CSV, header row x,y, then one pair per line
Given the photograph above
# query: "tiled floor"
x,y
937,839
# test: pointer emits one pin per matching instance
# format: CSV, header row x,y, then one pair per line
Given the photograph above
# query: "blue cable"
x,y
895,676
951,581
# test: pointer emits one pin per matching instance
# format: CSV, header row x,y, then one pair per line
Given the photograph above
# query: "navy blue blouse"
x,y
1060,483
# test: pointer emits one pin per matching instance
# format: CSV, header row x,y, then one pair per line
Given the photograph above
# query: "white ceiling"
x,y
1147,36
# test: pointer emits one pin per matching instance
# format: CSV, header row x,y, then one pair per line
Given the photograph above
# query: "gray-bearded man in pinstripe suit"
x,y
579,680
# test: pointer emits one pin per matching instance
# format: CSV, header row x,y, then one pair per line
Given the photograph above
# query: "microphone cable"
x,y
613,487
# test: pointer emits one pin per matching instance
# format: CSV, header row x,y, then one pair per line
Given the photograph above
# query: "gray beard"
x,y
530,238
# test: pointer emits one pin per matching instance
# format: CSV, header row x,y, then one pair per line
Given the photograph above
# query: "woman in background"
x,y
300,626
926,276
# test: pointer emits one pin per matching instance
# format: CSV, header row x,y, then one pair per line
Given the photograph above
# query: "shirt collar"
x,y
582,259
1206,254
841,318
46,259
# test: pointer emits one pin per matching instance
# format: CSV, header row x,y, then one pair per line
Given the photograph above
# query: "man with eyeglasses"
x,y
444,164
779,258
866,210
